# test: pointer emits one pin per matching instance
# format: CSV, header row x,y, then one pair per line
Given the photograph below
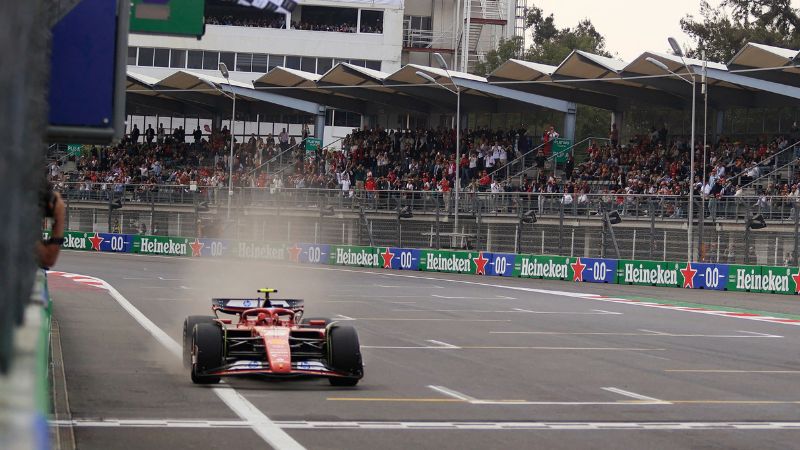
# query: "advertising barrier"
x,y
695,275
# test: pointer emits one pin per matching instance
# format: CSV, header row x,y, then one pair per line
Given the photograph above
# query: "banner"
x,y
454,262
346,255
399,258
779,280
161,245
309,253
595,270
744,278
648,273
279,6
117,243
544,267
260,250
501,264
704,276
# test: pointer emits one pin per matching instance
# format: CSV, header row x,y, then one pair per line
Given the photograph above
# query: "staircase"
x,y
485,16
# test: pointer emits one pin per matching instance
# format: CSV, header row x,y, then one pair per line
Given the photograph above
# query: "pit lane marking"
x,y
437,425
649,333
638,399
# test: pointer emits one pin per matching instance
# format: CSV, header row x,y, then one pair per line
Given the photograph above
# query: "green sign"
x,y
744,278
260,250
160,245
544,267
773,280
344,255
77,240
561,149
648,273
450,262
313,144
74,149
177,17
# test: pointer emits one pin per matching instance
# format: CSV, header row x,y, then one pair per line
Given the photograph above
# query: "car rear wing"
x,y
237,305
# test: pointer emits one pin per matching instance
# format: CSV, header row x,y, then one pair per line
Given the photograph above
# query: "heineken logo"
x,y
769,281
534,268
168,247
348,257
73,242
451,264
255,251
656,275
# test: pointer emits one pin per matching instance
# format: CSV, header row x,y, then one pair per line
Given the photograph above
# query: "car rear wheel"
x,y
344,355
207,345
188,327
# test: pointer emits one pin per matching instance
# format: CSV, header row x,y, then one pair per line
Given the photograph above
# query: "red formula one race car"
x,y
270,337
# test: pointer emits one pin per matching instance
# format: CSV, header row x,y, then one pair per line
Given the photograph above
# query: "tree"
x,y
722,31
506,49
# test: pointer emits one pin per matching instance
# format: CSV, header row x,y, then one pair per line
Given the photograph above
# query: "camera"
x,y
47,200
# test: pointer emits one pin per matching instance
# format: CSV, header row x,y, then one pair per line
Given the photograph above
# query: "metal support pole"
x,y
690,227
748,214
652,227
458,153
560,228
230,160
796,233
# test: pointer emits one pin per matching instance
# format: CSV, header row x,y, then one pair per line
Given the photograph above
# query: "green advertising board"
x,y
175,17
261,250
346,255
75,240
561,149
312,147
544,267
449,262
74,149
766,279
744,278
161,245
648,273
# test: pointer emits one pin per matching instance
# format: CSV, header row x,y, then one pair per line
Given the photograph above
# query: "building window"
x,y
259,63
244,62
293,62
229,59
358,62
132,56
324,65
177,59
308,64
374,65
417,31
325,18
195,59
371,21
145,57
161,57
275,61
210,60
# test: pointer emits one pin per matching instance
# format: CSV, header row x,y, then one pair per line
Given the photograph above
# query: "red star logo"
x,y
577,270
96,240
480,263
688,276
387,258
294,253
197,247
796,279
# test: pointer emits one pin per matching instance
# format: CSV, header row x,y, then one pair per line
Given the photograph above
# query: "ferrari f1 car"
x,y
271,338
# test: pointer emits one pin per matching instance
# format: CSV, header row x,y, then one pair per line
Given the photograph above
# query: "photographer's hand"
x,y
47,251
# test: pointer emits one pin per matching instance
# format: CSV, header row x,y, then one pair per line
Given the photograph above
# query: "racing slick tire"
x,y
307,322
188,327
344,355
207,347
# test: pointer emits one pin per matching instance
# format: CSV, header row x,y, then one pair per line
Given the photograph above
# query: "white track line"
x,y
466,425
259,422
635,395
452,394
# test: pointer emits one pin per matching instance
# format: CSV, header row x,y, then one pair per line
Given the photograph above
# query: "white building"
x,y
382,35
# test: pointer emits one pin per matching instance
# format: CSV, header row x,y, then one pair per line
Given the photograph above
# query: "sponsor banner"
x,y
779,280
76,240
259,250
454,262
744,278
309,253
162,245
399,258
544,267
501,264
211,248
109,242
648,273
347,255
703,276
595,270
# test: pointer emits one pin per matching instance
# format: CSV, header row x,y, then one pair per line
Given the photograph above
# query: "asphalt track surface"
x,y
451,362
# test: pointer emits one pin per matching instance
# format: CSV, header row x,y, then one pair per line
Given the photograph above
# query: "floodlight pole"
x,y
225,74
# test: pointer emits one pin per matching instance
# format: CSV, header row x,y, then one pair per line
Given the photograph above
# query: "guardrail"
x,y
679,274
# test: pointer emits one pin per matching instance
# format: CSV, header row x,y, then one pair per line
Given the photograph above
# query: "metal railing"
x,y
776,159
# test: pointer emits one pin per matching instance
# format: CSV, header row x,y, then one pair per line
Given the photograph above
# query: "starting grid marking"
x,y
421,425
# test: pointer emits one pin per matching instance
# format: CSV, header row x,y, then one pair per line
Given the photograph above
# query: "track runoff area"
x,y
450,362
